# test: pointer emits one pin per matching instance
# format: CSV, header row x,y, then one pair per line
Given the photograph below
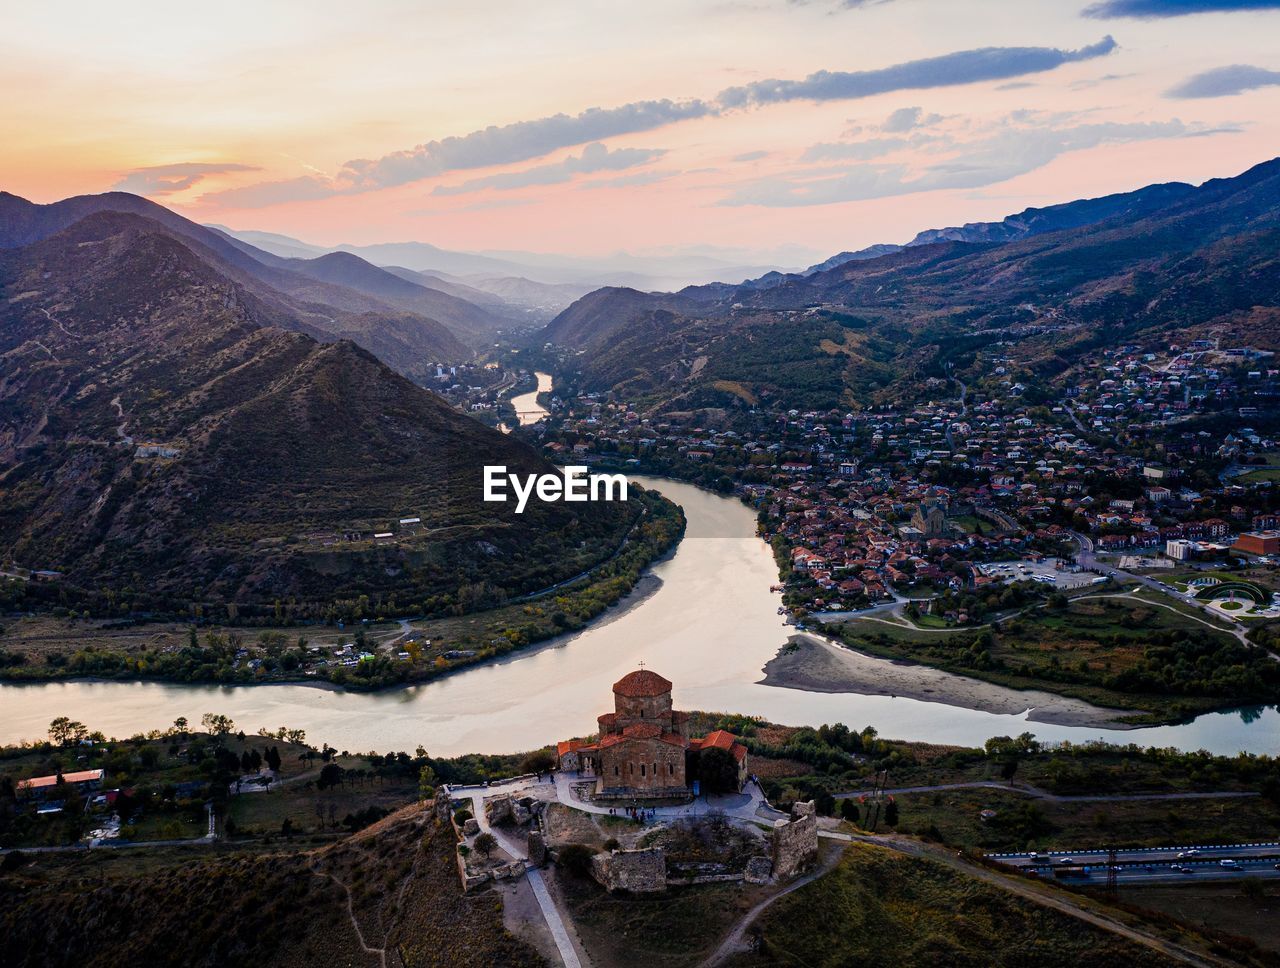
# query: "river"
x,y
709,627
528,409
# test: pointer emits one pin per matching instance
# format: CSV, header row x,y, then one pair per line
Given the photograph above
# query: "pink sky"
x,y
229,114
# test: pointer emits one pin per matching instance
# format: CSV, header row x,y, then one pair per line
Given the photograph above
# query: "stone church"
x,y
644,748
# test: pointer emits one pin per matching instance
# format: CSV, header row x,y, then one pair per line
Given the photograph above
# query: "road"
x,y
1085,559
1039,794
1155,865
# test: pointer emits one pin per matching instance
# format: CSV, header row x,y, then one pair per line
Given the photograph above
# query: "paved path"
x,y
568,954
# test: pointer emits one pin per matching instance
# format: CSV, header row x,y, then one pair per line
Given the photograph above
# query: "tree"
x,y
1009,768
576,858
217,724
180,725
286,829
718,771
330,775
64,731
539,761
849,810
486,843
426,782
891,813
273,759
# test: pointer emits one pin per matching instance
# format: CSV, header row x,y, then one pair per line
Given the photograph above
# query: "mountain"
x,y
493,271
1069,215
166,443
1166,258
399,332
1030,221
471,320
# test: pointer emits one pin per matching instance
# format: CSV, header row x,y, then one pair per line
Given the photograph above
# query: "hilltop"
x,y
170,439
410,327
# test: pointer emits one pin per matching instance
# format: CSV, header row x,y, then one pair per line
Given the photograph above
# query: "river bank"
x,y
389,653
710,624
813,664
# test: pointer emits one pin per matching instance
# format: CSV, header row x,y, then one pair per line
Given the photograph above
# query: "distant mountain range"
x,y
410,327
172,435
527,280
869,327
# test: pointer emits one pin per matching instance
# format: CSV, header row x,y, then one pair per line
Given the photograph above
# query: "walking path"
x,y
355,923
733,943
568,955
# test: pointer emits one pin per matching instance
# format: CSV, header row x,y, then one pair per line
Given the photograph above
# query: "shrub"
x,y
576,858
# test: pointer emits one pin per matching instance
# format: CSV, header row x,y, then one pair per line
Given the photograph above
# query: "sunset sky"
x,y
779,130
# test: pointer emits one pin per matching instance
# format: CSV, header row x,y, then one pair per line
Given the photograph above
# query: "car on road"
x,y
1188,853
1229,864
1185,870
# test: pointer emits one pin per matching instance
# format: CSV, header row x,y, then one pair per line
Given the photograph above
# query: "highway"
x,y
1144,865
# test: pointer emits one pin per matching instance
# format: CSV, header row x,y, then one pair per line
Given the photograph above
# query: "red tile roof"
x,y
41,782
720,739
640,684
568,746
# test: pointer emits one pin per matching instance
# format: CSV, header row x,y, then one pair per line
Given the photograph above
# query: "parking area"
x,y
1047,572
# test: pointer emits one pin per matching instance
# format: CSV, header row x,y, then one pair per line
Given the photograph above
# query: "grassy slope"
x,y
245,908
880,908
1073,652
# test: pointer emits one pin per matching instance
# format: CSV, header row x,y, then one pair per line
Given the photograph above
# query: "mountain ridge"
x,y
166,445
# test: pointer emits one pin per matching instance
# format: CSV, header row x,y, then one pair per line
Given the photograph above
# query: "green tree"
x,y
576,858
891,813
217,724
849,810
426,782
718,771
486,843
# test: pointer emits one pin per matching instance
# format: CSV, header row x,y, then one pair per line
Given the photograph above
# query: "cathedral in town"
x,y
643,747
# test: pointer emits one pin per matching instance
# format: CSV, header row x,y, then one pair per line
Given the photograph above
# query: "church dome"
x,y
640,684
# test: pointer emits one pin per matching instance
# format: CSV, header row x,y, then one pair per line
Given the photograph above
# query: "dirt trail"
x,y
351,913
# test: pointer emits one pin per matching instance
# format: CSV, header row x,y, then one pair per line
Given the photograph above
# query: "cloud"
x,y
1152,9
524,140
1007,154
516,142
636,180
1225,81
168,179
961,67
905,119
853,151
594,157
302,189
750,156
